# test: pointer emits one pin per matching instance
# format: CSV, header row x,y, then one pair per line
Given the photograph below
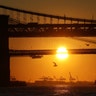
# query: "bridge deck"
x,y
49,52
51,30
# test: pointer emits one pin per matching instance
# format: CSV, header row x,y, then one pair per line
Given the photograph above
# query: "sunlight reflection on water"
x,y
61,90
57,90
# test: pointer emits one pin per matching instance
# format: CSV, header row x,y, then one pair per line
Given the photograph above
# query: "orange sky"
x,y
28,69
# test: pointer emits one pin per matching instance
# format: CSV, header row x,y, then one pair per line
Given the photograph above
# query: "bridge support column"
x,y
4,52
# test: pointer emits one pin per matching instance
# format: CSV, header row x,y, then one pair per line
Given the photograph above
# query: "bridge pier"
x,y
4,52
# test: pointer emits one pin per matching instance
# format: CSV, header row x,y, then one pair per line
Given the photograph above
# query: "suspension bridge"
x,y
19,23
24,23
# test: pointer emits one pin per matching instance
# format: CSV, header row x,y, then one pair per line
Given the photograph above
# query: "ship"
x,y
48,81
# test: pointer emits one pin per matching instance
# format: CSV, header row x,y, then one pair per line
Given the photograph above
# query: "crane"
x,y
71,79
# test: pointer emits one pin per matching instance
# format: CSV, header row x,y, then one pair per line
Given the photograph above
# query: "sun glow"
x,y
62,53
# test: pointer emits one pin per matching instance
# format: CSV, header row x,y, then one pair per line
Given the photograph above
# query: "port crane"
x,y
71,79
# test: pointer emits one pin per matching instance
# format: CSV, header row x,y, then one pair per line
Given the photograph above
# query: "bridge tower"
x,y
4,52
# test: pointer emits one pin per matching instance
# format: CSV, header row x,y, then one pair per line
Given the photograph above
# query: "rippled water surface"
x,y
60,90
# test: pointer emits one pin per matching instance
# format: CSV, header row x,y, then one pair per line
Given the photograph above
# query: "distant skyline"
x,y
26,68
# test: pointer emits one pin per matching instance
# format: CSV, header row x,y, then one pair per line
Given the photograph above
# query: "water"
x,y
60,90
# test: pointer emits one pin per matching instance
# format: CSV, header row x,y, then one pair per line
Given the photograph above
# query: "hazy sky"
x,y
26,68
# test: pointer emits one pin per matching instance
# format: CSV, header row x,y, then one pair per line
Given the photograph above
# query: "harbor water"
x,y
59,90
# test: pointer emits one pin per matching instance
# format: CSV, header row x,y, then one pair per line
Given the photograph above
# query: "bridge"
x,y
40,53
24,23
20,23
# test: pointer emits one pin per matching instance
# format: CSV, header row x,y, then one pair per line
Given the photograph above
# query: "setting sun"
x,y
62,53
